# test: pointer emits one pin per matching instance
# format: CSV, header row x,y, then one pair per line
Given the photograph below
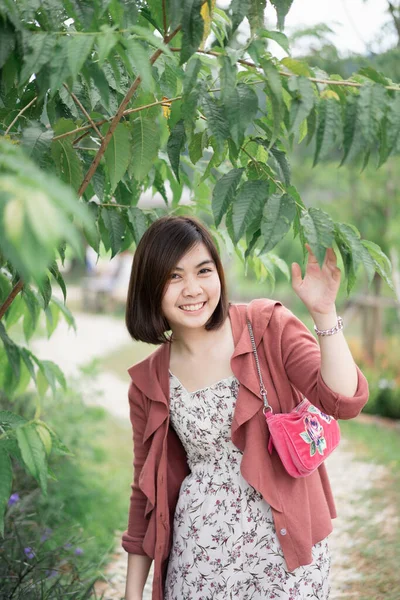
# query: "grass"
x,y
119,360
93,486
377,559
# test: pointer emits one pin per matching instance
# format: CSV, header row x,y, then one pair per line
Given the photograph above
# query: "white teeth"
x,y
192,307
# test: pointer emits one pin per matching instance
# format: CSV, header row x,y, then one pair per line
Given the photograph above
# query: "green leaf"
x,y
216,121
37,142
274,92
352,138
196,147
175,8
247,206
45,290
31,318
281,159
26,357
224,192
105,43
7,42
192,29
282,8
247,111
12,351
300,210
115,225
238,10
5,485
33,453
303,101
54,270
382,263
280,264
374,75
67,162
65,311
10,420
145,145
140,59
329,124
393,117
319,231
229,96
359,254
138,221
298,67
118,153
278,214
371,103
255,15
175,145
59,66
52,314
278,37
79,47
191,93
39,49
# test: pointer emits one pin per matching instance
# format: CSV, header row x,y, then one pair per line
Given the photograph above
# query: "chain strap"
x,y
263,391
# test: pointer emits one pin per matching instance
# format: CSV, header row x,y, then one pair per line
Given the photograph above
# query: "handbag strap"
x,y
263,391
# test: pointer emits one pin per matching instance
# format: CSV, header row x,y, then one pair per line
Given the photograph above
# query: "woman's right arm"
x,y
137,573
138,561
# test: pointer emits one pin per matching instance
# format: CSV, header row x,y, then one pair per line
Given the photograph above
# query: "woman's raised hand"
x,y
319,287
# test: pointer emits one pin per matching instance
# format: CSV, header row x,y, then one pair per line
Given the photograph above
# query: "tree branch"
x,y
124,114
83,109
14,292
285,74
396,20
21,112
117,117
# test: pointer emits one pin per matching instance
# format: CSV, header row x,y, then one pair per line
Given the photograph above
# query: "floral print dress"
x,y
224,544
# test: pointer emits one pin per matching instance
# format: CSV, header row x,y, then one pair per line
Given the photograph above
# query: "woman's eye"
x,y
201,270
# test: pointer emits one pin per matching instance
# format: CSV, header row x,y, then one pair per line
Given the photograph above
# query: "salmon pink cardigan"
x,y
290,364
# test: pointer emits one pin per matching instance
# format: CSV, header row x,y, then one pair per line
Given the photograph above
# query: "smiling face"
x,y
193,285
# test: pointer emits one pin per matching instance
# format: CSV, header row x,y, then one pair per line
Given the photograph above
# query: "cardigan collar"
x,y
151,375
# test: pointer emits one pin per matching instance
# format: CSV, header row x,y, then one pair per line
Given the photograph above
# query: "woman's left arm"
x,y
318,291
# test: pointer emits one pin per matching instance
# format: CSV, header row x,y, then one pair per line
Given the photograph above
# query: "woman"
x,y
219,515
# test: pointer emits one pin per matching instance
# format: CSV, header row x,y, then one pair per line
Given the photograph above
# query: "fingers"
x,y
296,275
330,256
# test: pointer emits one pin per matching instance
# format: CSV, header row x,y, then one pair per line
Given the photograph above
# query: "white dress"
x,y
224,543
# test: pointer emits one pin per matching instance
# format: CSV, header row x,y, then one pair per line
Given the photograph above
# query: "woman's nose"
x,y
192,287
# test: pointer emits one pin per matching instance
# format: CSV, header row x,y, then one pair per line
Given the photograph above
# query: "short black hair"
x,y
157,253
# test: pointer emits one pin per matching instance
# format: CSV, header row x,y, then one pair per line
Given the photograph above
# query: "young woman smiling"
x,y
219,515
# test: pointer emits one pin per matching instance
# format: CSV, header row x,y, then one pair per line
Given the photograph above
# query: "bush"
x,y
55,546
32,566
383,376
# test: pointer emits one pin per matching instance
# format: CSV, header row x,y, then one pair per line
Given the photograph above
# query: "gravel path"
x,y
350,478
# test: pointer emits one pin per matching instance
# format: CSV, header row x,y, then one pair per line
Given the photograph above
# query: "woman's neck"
x,y
195,342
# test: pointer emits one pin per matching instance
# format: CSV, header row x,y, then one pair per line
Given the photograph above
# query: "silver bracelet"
x,y
332,331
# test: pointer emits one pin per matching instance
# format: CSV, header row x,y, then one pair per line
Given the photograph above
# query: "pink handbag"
x,y
303,438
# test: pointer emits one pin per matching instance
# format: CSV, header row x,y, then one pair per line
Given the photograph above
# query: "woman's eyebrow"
x,y
204,262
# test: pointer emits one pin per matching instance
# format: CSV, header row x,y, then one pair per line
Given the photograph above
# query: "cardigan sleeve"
x,y
133,537
301,357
